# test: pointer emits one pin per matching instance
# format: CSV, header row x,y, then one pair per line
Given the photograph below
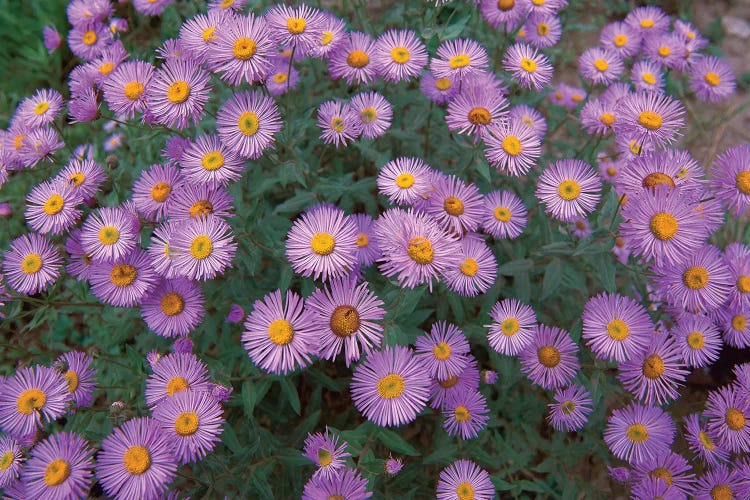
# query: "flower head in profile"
x,y
80,376
324,451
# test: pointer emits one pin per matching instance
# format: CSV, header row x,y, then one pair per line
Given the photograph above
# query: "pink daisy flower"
x,y
243,49
399,55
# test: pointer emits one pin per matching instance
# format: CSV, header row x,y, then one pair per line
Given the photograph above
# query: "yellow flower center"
x,y
54,204
133,90
18,141
109,235
647,23
569,190
56,472
172,304
662,473
506,5
601,65
637,433
548,356
620,40
30,400
657,179
178,92
696,340
721,492
510,327
160,192
186,423
442,351
176,384
106,68
469,267
225,4
209,34
72,378
123,274
712,78
663,226
618,330
650,120
453,206
337,124
742,181
480,116
653,367
41,108
326,37
459,61
362,240
502,214
465,491
244,48
368,115
462,414
449,382
420,250
357,59
648,78
512,145
734,419
442,84
405,180
324,457
213,160
344,321
568,407
279,78
743,284
248,123
739,322
137,460
391,386
706,441
31,263
607,119
6,460
664,51
201,247
280,332
542,29
296,25
89,37
77,178
322,243
201,208
695,277
528,65
400,55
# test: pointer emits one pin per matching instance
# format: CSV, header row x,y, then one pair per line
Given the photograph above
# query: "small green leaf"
x,y
396,443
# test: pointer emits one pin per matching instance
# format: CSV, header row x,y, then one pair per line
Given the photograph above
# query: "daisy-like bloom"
x,y
174,149
174,307
243,49
661,225
465,414
390,387
346,317
670,467
124,89
512,147
41,108
530,117
600,66
347,484
669,168
248,122
647,76
324,451
124,281
504,14
178,92
543,30
571,409
621,39
690,34
648,20
208,161
31,264
192,423
108,234
666,50
700,283
332,37
477,270
278,336
393,465
352,60
443,351
198,34
405,180
654,488
52,208
474,110
113,142
569,189
580,228
300,27
339,123
39,145
109,61
52,39
728,413
368,250
737,259
374,112
712,79
236,314
442,390
281,77
60,467
399,55
439,90
203,247
200,200
722,483
152,191
84,176
174,373
734,321
616,327
455,59
512,328
550,360
11,461
731,179
636,432
701,444
530,68
136,460
151,7
504,215
80,376
455,205
699,339
322,243
650,118
463,479
88,40
30,398
654,375
415,248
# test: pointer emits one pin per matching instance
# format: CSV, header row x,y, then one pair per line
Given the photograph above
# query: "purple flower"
x,y
52,39
442,351
504,15
529,67
569,188
721,482
136,460
39,145
543,30
300,27
512,147
647,76
600,66
650,118
40,109
571,409
108,234
175,373
404,180
465,414
368,251
208,161
177,93
598,116
236,314
466,381
52,207
438,90
183,345
399,55
31,264
670,168
333,36
124,281
60,467
728,413
11,461
637,432
374,111
654,374
348,484
198,34
455,59
670,467
88,40
30,398
648,20
352,60
80,376
159,251
621,39
473,111
504,215
124,89
530,117
512,328
616,327
655,487
390,387
476,272
248,122
203,247
455,205
281,77
699,340
84,175
737,259
279,336
393,465
193,201
339,123
324,451
619,474
174,307
701,444
550,360
243,50
151,7
712,79
152,190
731,179
667,50
464,479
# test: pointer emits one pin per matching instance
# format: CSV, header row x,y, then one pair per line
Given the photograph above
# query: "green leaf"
x,y
552,278
290,391
396,443
229,438
515,267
